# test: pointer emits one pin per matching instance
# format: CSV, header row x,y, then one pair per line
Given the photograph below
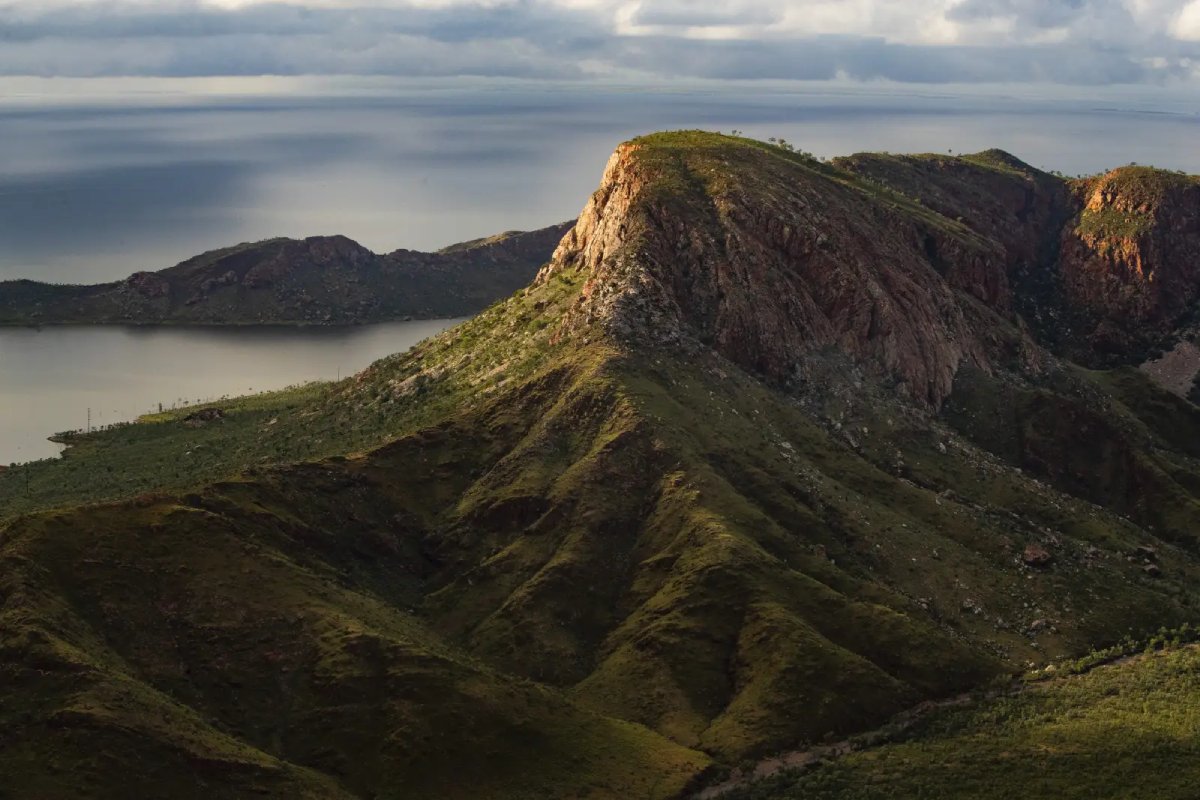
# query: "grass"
x,y
256,669
698,163
1114,222
164,453
1126,731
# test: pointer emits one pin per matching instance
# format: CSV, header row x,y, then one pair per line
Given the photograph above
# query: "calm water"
x,y
50,378
94,188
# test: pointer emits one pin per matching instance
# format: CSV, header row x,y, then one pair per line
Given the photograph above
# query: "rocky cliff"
x,y
769,258
1131,259
914,265
314,281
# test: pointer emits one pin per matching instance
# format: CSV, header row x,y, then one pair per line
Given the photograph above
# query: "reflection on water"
x,y
94,193
50,379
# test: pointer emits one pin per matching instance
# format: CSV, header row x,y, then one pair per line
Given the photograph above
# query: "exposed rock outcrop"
x,y
1131,260
772,258
911,265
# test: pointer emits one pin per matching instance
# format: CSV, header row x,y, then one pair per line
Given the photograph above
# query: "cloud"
x,y
1187,24
1054,41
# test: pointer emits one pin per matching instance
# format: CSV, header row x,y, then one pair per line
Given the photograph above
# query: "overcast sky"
x,y
1071,42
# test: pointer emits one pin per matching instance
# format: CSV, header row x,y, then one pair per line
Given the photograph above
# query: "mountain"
x,y
327,280
770,451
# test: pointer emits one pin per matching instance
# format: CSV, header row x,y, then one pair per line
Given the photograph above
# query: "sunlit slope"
x,y
1127,730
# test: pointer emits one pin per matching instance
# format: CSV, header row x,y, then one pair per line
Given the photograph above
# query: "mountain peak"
x,y
1000,158
771,257
1131,259
914,266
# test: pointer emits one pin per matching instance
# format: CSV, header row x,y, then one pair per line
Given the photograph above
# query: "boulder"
x,y
1036,555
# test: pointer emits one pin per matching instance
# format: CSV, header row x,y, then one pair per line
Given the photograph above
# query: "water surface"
x,y
51,379
92,191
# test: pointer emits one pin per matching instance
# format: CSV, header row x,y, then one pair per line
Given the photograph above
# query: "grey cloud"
x,y
537,39
683,14
869,59
175,20
1037,13
1107,21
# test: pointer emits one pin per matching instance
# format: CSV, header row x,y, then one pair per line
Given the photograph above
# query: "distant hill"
x,y
316,281
770,451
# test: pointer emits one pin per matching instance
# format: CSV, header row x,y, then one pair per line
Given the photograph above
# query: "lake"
x,y
51,378
93,188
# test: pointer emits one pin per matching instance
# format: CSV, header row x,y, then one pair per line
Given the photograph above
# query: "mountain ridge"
x,y
710,488
320,280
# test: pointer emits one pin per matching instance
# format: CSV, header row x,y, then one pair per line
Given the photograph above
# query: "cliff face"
x,y
913,265
771,258
319,280
1131,259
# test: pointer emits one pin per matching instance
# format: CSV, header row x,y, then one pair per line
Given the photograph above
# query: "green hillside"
x,y
765,456
1125,730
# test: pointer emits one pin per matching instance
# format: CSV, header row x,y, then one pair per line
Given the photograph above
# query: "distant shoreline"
x,y
321,281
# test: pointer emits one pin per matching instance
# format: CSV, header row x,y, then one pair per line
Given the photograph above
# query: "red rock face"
x,y
912,266
997,196
148,284
771,261
1131,260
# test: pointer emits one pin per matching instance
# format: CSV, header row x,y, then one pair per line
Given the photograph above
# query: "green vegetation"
x,y
261,667
564,550
1142,191
1114,222
164,452
1125,730
699,163
1000,160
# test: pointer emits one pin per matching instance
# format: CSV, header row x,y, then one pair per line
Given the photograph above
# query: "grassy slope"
x,y
315,421
209,646
1125,730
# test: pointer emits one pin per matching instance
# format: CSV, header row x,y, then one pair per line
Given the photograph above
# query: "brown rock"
x,y
204,415
1131,259
772,263
1146,552
1036,555
148,284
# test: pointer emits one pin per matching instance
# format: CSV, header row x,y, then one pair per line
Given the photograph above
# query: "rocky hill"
x,y
326,280
770,451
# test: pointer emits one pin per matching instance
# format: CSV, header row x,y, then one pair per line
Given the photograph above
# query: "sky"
x,y
1059,42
